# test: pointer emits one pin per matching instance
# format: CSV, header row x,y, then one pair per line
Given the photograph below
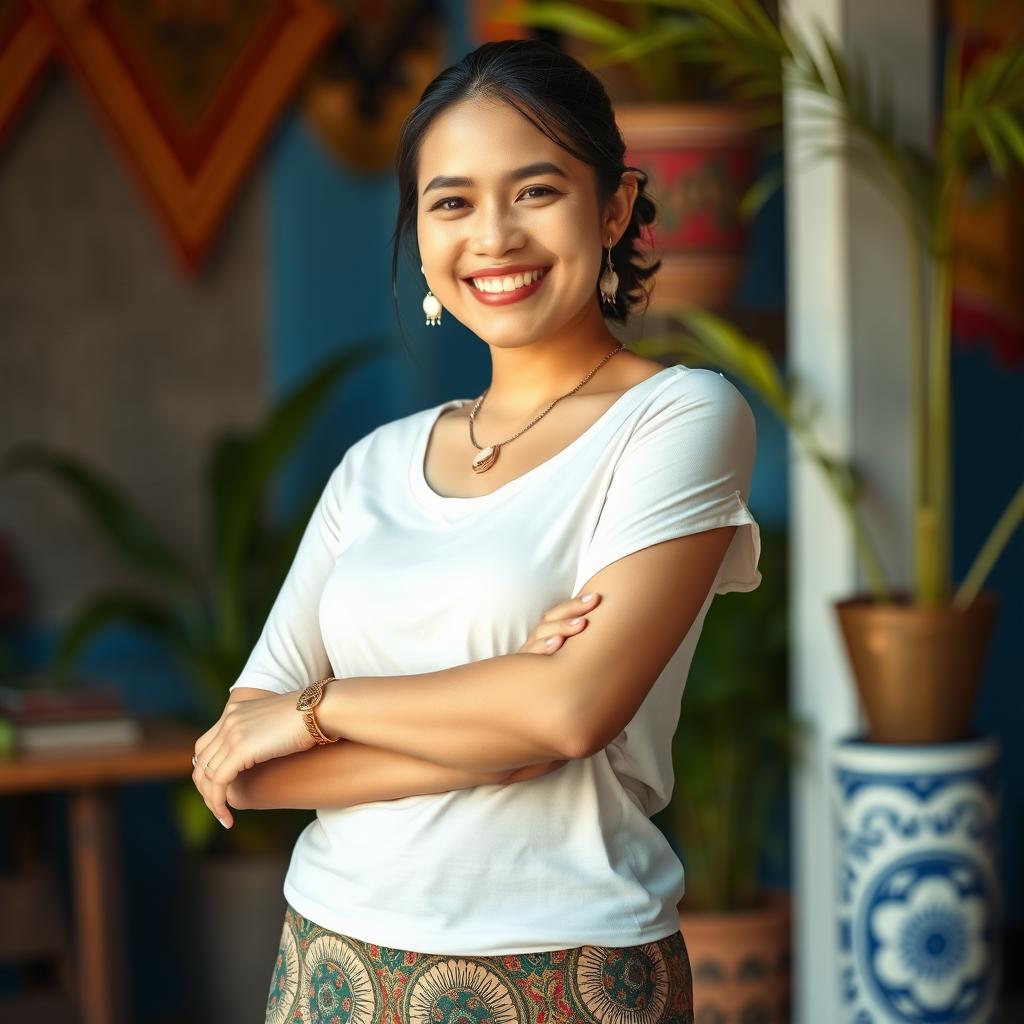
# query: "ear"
x,y
620,208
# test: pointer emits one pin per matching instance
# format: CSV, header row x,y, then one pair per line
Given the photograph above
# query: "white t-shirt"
x,y
391,578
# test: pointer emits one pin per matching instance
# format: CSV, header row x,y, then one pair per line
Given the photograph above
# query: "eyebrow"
x,y
540,167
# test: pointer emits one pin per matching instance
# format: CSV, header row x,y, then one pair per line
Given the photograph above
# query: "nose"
x,y
495,231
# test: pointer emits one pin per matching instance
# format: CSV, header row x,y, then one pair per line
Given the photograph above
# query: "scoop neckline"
x,y
429,497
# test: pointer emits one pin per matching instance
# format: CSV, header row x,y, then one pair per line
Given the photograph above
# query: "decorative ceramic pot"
x,y
920,902
700,159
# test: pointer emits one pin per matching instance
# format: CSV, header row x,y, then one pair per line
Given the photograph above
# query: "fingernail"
x,y
551,640
573,622
588,597
223,822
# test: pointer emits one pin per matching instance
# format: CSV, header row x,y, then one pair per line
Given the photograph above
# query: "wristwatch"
x,y
308,700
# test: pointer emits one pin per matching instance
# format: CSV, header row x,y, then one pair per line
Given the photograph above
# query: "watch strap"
x,y
309,698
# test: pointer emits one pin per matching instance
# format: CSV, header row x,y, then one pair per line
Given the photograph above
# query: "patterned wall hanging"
x,y
26,50
189,90
988,216
371,75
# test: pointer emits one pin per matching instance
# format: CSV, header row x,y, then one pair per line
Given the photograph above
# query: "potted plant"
x,y
731,754
209,622
698,145
916,656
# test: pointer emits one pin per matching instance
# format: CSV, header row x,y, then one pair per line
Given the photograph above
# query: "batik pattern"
x,y
322,977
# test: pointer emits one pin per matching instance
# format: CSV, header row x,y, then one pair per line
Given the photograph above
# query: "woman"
x,y
483,841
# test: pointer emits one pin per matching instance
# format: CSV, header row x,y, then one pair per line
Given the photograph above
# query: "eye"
x,y
440,204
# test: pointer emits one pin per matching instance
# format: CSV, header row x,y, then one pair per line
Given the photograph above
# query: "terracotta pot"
x,y
741,961
700,159
916,669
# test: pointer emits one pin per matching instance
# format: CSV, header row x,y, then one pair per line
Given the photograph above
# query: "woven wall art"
x,y
189,91
26,52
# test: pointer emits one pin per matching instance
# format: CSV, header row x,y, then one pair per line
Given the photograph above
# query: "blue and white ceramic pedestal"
x,y
920,901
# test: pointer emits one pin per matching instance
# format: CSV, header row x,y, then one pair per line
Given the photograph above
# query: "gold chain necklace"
x,y
487,457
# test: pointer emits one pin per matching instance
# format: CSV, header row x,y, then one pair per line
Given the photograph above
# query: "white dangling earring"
x,y
431,305
609,280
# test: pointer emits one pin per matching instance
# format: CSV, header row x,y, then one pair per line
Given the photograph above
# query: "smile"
x,y
499,291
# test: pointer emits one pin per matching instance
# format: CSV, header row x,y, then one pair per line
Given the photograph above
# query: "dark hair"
x,y
564,100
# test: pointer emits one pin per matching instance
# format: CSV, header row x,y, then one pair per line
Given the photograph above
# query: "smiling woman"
x,y
483,820
568,196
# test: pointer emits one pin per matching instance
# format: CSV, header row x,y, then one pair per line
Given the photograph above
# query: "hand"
x,y
247,733
555,625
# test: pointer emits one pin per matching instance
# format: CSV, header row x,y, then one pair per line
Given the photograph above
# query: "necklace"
x,y
487,457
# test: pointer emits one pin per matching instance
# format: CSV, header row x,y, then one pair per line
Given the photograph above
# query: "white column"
x,y
848,342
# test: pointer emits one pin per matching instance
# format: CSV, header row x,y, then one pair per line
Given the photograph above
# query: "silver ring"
x,y
194,759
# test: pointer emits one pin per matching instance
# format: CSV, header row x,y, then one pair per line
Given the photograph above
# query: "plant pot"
x,y
920,934
740,961
916,669
233,909
701,159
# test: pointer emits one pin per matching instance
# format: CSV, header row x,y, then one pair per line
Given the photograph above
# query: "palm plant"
x,y
663,76
208,621
846,113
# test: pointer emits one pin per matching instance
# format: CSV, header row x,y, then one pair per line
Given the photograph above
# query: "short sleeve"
x,y
686,468
290,652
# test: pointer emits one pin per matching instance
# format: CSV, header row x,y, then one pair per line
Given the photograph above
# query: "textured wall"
x,y
106,349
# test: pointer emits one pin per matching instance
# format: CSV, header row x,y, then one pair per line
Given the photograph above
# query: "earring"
x,y
431,305
609,280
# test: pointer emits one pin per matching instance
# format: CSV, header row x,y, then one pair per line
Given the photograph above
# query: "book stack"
x,y
51,718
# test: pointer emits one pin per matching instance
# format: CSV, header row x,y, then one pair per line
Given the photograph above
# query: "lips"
x,y
504,298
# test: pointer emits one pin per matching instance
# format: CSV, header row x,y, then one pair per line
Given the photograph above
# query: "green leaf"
x,y
111,607
572,19
993,146
1011,130
109,510
763,188
663,35
241,469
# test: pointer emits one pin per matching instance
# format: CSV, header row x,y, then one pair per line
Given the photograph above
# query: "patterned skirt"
x,y
323,977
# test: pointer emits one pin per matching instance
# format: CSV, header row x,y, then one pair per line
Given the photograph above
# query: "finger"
x,y
206,742
573,606
224,772
549,636
215,772
207,738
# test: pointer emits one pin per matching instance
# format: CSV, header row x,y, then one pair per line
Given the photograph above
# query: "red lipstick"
x,y
504,298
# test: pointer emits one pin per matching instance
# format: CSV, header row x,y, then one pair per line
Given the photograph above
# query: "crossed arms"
x,y
649,600
347,773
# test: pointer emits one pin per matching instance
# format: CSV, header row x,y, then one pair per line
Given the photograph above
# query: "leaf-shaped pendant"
x,y
485,458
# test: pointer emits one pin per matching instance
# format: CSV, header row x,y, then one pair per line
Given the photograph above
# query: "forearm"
x,y
346,773
491,715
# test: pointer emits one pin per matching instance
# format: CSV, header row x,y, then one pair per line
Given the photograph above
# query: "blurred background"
x,y
196,321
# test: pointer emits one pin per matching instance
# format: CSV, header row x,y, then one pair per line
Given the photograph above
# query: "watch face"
x,y
310,697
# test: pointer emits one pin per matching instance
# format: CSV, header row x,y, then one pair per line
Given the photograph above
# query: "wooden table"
x,y
89,775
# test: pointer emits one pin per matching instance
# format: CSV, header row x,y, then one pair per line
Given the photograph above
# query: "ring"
x,y
194,759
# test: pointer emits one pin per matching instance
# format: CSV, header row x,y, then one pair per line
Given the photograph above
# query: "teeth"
x,y
506,284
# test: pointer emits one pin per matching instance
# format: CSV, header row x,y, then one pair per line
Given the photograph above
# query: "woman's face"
x,y
499,218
